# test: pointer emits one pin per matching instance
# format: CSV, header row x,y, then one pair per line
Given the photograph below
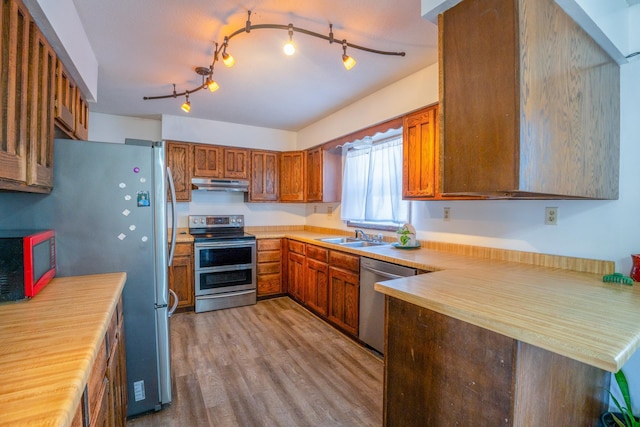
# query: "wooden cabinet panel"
x,y
65,98
264,176
419,154
181,275
344,299
207,161
502,382
269,267
345,261
316,293
81,119
292,176
236,163
13,90
296,275
521,124
324,175
179,156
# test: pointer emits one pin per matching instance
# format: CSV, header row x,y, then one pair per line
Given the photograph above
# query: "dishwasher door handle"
x,y
382,273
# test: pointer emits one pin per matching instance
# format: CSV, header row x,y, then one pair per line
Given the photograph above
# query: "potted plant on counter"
x,y
406,236
625,417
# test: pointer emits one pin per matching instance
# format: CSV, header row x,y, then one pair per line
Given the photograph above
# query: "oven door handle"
x,y
235,294
227,244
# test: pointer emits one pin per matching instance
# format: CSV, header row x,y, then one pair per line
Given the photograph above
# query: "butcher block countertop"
x,y
556,303
48,345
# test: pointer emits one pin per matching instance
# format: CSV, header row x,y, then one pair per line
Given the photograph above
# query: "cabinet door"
x,y
65,98
292,176
419,154
81,119
296,276
207,161
236,163
317,286
40,115
264,176
13,90
344,299
314,175
179,161
181,279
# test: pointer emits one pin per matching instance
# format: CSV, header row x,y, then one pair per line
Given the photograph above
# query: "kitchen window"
x,y
372,183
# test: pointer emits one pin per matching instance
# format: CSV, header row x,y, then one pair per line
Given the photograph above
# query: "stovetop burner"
x,y
221,227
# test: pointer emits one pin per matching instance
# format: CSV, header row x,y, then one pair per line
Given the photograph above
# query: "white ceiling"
x,y
145,46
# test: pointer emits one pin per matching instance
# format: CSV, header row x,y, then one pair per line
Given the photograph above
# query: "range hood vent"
x,y
205,184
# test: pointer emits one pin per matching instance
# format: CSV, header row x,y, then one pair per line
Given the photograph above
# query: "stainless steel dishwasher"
x,y
371,302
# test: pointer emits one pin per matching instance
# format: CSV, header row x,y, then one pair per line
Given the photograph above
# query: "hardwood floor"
x,y
271,364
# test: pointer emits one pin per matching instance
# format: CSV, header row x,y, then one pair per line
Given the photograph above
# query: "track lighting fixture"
x,y
186,107
289,48
227,59
347,60
220,53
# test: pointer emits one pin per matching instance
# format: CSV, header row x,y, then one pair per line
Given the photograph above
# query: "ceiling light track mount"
x,y
220,53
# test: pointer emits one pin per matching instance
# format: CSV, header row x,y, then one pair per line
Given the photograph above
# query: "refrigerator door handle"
x,y
174,222
175,303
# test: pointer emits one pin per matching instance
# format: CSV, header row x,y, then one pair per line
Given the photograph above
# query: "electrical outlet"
x,y
446,214
329,211
551,216
315,208
138,390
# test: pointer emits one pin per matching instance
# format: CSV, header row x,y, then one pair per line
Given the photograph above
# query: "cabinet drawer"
x,y
269,244
318,253
297,247
345,261
268,268
112,331
269,284
268,256
183,249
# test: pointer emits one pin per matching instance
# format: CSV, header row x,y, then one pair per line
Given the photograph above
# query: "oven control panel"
x,y
213,221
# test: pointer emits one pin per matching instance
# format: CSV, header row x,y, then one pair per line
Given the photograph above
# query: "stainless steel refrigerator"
x,y
109,210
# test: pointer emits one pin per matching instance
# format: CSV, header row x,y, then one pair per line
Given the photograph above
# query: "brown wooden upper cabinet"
x,y
236,163
324,175
264,176
292,176
419,166
529,103
179,160
207,161
65,98
26,127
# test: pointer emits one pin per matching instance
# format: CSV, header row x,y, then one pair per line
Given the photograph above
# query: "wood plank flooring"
x,y
270,364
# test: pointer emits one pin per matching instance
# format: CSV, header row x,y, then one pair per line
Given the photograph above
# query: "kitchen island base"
x,y
442,371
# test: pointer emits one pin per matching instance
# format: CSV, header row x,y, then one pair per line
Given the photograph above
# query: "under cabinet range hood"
x,y
206,184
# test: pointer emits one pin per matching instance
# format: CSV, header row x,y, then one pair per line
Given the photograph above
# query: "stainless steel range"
x,y
225,262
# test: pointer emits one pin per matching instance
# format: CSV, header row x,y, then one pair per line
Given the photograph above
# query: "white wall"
x,y
110,128
411,93
223,133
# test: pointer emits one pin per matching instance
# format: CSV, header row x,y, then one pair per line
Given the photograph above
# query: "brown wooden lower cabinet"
x,y
104,402
317,279
296,266
442,371
181,279
269,267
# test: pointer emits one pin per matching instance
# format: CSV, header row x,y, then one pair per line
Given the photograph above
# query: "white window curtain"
x,y
372,184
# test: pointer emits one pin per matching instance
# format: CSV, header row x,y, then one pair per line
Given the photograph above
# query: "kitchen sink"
x,y
362,244
351,242
339,240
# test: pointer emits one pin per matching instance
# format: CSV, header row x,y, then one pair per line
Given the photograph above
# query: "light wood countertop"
x,y
48,345
571,313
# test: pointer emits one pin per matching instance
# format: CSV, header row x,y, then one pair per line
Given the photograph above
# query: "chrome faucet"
x,y
363,235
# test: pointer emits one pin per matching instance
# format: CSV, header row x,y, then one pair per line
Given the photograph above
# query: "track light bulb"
x,y
186,107
348,61
228,60
290,48
212,85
